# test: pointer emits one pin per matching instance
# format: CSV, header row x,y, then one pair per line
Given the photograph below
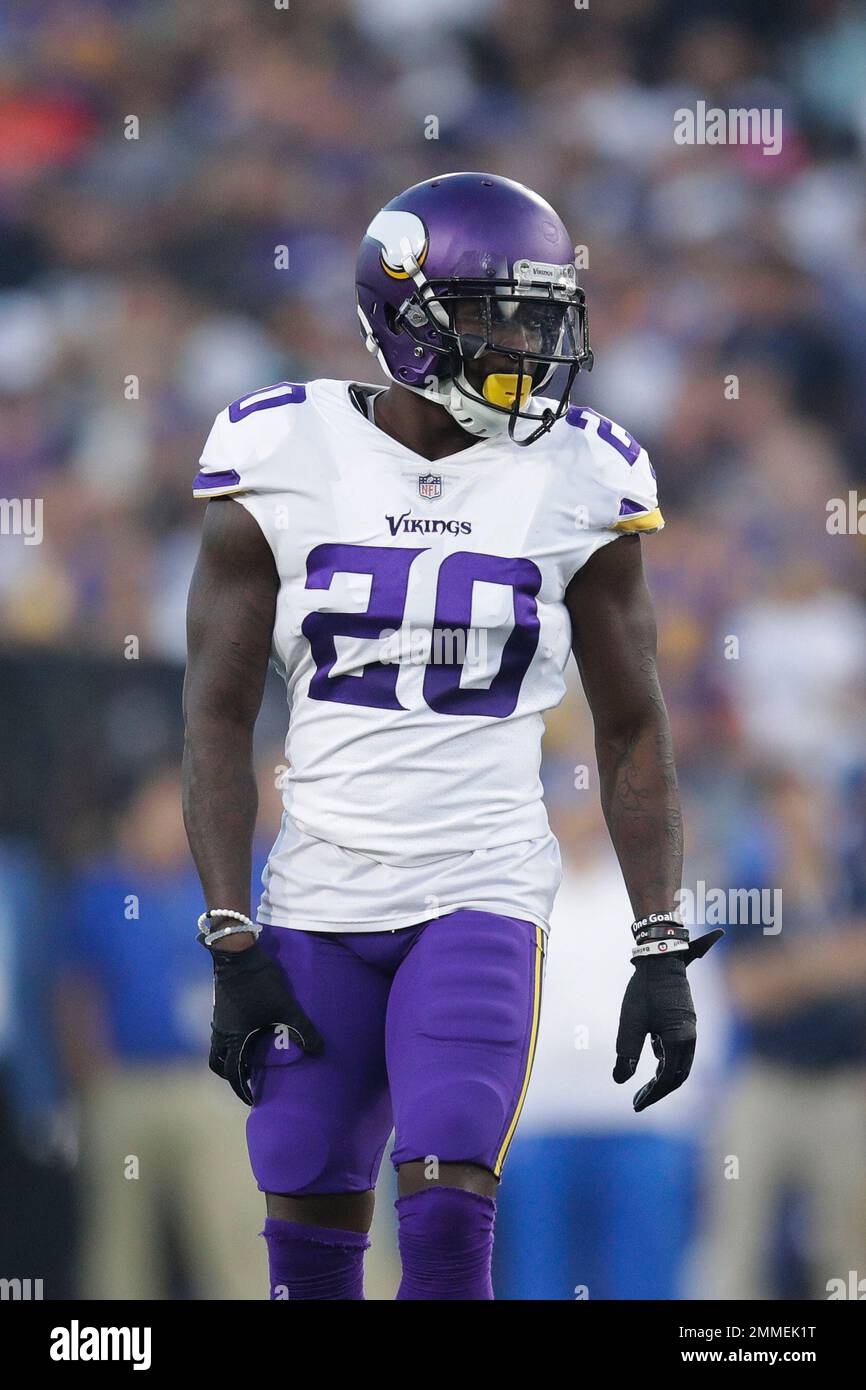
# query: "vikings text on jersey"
x,y
422,633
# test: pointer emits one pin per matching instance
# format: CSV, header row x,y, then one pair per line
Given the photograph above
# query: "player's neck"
x,y
420,424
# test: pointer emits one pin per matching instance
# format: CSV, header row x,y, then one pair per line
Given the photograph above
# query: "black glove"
x,y
251,994
658,1001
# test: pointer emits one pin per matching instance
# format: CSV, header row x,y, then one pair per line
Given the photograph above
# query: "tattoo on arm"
x,y
615,648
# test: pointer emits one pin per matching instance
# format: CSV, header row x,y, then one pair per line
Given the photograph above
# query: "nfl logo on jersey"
x,y
430,486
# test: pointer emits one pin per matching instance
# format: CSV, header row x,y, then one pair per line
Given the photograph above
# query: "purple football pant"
x,y
428,1030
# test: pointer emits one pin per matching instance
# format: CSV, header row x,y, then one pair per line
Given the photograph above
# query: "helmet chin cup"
x,y
469,411
471,414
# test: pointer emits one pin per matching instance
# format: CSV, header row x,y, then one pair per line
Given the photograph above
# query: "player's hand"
x,y
251,994
658,1001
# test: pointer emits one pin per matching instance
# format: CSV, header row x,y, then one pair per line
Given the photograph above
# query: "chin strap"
x,y
548,419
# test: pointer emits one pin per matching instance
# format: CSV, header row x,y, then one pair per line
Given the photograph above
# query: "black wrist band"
x,y
671,932
656,919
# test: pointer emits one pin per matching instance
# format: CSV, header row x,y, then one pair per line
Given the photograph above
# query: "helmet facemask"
x,y
531,323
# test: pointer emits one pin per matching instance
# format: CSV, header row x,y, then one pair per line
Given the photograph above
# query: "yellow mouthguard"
x,y
500,388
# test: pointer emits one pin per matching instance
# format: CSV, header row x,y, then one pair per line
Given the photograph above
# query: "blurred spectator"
x,y
792,1133
168,1199
36,1136
799,680
579,1211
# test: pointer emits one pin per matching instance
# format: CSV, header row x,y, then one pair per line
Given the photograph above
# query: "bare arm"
x,y
614,643
230,621
82,1028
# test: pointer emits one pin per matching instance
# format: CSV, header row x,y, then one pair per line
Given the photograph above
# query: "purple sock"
x,y
446,1244
314,1262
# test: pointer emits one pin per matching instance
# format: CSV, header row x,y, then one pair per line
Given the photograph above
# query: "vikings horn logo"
x,y
393,229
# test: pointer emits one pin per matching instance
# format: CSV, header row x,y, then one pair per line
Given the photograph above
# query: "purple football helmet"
x,y
467,265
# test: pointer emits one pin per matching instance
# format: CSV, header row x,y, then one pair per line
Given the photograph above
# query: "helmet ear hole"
x,y
391,318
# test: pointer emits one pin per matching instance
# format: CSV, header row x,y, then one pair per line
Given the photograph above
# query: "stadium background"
x,y
121,1158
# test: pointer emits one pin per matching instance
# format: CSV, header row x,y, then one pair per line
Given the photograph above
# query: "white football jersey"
x,y
422,633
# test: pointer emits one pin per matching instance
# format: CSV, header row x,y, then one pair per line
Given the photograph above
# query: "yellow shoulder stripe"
x,y
229,491
646,521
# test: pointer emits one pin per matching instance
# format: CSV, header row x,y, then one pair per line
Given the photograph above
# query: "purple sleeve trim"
x,y
290,393
216,482
629,508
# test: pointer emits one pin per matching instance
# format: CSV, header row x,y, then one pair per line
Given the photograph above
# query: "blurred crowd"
x,y
154,159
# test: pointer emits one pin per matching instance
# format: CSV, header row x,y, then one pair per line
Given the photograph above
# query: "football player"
x,y
418,560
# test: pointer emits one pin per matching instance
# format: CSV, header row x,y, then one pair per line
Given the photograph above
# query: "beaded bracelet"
x,y
247,926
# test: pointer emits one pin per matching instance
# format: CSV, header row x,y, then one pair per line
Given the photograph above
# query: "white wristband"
x,y
659,948
209,937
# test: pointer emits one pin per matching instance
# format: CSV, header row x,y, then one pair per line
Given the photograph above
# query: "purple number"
x,y
577,415
388,568
457,576
293,394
